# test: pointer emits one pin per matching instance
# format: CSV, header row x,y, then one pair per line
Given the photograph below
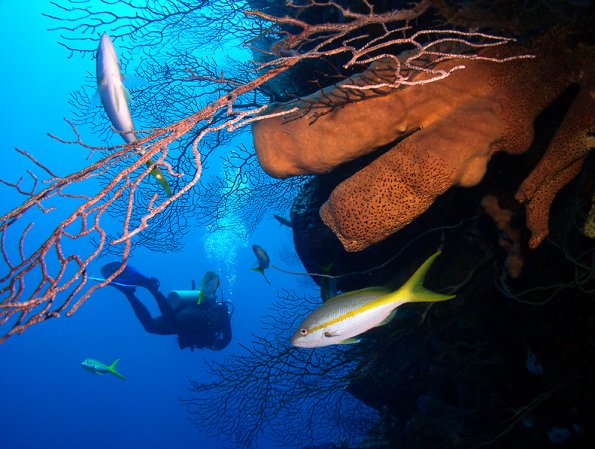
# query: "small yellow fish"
x,y
208,287
158,175
97,367
343,317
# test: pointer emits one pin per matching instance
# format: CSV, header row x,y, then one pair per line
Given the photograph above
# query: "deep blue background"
x,y
47,399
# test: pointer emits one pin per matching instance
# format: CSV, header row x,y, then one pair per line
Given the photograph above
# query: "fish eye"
x,y
304,331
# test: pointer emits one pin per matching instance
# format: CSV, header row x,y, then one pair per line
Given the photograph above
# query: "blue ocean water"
x,y
48,400
506,364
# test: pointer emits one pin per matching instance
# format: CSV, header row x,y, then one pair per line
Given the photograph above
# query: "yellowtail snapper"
x,y
343,317
208,286
97,367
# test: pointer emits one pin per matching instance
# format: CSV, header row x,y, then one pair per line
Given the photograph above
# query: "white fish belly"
x,y
357,324
118,112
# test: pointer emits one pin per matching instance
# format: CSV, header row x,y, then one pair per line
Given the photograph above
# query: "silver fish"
x,y
115,97
343,317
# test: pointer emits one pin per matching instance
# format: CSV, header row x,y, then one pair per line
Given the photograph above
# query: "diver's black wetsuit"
x,y
205,325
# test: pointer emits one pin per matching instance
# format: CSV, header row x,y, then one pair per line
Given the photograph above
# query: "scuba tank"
x,y
185,296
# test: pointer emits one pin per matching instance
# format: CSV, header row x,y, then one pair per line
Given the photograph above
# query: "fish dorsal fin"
x,y
414,291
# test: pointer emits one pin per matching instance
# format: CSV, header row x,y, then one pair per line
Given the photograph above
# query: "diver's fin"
x,y
96,279
112,369
414,291
129,277
113,283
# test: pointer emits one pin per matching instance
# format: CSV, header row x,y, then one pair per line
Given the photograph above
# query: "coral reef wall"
x,y
509,176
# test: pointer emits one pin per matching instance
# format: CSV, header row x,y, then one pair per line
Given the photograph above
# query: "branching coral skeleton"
x,y
33,288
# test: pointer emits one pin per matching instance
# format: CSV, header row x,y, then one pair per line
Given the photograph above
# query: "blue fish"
x,y
96,367
263,260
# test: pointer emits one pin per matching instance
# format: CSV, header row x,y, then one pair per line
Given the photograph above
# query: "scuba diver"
x,y
197,317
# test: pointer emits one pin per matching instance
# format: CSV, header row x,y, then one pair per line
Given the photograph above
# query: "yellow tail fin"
x,y
112,369
414,291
